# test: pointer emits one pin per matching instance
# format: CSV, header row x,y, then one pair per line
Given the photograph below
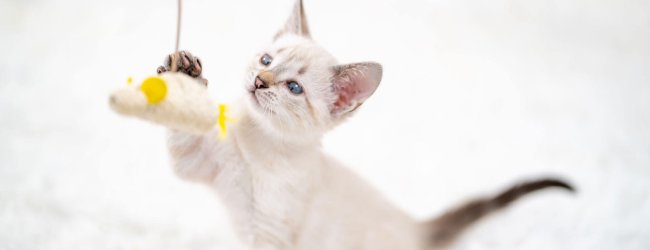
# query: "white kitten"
x,y
281,190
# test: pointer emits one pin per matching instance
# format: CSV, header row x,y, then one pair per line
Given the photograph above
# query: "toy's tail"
x,y
443,230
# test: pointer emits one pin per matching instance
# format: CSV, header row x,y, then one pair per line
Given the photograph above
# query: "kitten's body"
x,y
282,200
279,187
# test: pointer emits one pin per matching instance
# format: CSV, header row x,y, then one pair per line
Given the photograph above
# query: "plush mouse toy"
x,y
172,99
178,100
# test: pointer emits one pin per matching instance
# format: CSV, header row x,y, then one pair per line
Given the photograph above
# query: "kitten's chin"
x,y
277,128
257,105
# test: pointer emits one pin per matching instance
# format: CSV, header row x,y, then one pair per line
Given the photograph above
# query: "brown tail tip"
x,y
447,227
524,188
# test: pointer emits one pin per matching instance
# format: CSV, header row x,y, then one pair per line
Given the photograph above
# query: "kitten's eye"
x,y
266,60
294,87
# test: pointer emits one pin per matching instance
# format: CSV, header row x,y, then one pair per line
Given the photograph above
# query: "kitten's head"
x,y
298,91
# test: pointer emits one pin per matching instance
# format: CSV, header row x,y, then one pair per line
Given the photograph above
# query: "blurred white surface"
x,y
476,95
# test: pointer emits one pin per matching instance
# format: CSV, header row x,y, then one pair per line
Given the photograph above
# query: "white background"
x,y
476,95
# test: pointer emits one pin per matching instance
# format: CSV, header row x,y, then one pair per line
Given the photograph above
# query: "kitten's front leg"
x,y
194,157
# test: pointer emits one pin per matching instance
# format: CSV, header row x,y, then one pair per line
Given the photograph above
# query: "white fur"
x,y
292,196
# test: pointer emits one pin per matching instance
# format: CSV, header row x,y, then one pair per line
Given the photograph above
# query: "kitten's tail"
x,y
444,229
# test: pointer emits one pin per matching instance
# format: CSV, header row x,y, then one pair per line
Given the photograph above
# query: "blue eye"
x,y
266,60
294,87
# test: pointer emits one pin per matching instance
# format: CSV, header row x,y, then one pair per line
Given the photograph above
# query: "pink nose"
x,y
260,84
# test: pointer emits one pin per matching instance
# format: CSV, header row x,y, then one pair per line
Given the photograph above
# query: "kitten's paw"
x,y
185,63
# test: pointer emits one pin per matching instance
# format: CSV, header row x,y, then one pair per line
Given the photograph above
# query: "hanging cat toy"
x,y
172,99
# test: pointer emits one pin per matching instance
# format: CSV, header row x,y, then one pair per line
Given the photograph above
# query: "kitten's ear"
x,y
353,84
297,22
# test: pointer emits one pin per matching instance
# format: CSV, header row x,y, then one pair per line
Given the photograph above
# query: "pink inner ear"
x,y
352,87
345,89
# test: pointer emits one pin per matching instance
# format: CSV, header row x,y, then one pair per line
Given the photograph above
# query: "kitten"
x,y
280,189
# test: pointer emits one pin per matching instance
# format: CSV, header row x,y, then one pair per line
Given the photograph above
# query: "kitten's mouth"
x,y
250,88
254,97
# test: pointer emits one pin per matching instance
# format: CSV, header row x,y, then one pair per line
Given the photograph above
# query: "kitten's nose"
x,y
264,79
260,83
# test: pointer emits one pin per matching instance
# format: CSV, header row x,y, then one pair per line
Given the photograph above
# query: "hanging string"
x,y
178,36
222,119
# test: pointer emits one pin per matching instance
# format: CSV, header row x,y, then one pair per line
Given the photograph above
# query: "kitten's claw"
x,y
161,69
185,63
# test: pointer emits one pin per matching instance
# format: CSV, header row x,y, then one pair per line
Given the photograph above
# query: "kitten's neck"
x,y
250,133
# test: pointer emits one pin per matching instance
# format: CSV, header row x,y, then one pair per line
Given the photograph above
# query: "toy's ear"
x,y
353,84
297,22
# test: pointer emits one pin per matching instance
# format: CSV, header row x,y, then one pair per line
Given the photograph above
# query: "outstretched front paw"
x,y
186,63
